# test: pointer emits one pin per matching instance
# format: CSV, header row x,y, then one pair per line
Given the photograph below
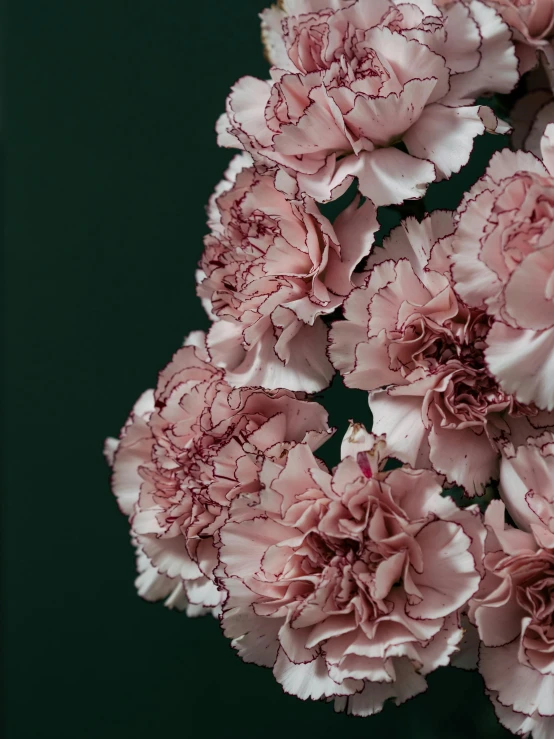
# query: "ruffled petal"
x,y
520,723
399,418
517,686
445,135
448,581
153,586
389,176
373,697
133,448
307,368
466,458
498,68
523,363
309,680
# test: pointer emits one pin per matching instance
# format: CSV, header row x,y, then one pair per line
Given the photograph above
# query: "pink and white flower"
x,y
271,269
349,585
514,613
418,349
187,450
352,80
533,24
504,263
527,483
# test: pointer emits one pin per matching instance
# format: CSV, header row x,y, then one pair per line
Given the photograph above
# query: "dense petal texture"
x,y
355,583
188,449
504,264
418,349
514,613
349,585
271,269
351,80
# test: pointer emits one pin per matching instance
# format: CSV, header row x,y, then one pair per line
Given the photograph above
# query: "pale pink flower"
x,y
504,263
527,482
188,448
409,340
514,613
349,585
271,269
533,24
352,80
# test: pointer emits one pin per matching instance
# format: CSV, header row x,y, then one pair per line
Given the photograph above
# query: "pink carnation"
x,y
504,264
188,448
419,350
533,24
271,269
349,585
527,483
351,80
514,613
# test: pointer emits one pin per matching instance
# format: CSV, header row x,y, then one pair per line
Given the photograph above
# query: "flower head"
x,y
419,350
271,269
514,613
188,449
349,585
352,80
504,263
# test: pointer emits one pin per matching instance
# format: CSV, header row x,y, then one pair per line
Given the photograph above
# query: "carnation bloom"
x,y
504,264
527,482
352,79
188,448
533,24
514,613
349,585
270,270
419,350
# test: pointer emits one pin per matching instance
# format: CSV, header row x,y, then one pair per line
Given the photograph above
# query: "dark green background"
x,y
112,157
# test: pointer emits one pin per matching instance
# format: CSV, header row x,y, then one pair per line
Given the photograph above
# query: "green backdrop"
x,y
112,157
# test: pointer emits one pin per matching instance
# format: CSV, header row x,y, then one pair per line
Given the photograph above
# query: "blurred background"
x,y
112,159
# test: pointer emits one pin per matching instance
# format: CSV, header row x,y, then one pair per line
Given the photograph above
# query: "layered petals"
x,y
503,262
532,23
514,614
420,352
271,269
355,579
351,81
189,448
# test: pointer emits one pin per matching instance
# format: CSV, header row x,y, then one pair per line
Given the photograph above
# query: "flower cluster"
x,y
431,540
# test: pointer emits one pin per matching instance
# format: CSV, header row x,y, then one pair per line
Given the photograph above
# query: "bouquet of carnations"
x,y
431,540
